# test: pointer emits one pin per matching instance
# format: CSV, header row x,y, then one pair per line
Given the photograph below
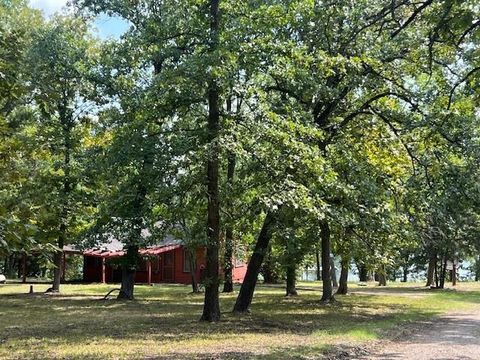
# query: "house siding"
x,y
92,269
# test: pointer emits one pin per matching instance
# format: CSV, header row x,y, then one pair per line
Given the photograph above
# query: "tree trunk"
x,y
431,270
24,268
382,277
211,306
193,270
362,273
382,280
128,273
317,257
333,272
405,274
228,258
327,291
67,124
58,261
443,272
245,296
291,289
343,286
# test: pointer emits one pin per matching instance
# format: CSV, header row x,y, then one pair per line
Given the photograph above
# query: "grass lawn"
x,y
162,323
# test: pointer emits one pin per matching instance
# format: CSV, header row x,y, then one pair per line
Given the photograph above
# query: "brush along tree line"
x,y
284,131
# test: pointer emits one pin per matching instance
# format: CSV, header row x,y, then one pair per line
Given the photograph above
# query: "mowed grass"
x,y
162,323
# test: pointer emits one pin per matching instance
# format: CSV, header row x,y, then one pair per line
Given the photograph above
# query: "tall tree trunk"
x,y
67,124
211,306
343,286
333,272
291,289
245,296
228,258
319,267
431,270
128,273
327,291
405,274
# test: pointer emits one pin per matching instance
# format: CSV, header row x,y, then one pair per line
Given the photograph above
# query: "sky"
x,y
105,26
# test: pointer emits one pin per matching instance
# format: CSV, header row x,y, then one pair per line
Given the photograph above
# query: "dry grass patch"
x,y
163,322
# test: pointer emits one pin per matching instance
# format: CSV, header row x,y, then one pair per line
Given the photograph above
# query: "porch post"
x,y
149,268
103,271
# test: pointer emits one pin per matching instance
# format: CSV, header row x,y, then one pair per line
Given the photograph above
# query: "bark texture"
x,y
291,289
211,306
228,258
319,267
327,290
343,284
247,289
128,273
431,270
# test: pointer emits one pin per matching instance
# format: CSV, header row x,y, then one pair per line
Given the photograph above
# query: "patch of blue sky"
x,y
104,26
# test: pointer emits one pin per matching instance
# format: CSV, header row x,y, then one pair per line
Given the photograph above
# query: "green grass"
x,y
162,323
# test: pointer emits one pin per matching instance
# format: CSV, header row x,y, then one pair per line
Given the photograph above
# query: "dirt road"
x,y
454,336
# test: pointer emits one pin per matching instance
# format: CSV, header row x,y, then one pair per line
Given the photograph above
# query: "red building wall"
x,y
168,267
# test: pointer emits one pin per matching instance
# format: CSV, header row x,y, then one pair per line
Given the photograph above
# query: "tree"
x,y
59,59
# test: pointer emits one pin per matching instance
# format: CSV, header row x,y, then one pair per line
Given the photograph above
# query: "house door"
x,y
168,266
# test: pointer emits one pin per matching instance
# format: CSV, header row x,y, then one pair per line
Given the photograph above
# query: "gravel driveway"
x,y
454,336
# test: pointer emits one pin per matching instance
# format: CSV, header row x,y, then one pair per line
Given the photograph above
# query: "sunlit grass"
x,y
163,321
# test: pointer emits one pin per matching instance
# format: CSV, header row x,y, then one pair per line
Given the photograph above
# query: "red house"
x,y
163,263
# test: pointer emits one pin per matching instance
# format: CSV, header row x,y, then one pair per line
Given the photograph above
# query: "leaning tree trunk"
x,y
228,258
431,270
211,306
343,285
327,292
245,296
291,289
128,273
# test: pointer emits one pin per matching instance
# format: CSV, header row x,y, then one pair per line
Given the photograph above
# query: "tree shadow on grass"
x,y
166,317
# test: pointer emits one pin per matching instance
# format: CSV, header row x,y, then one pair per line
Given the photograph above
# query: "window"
x,y
186,261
